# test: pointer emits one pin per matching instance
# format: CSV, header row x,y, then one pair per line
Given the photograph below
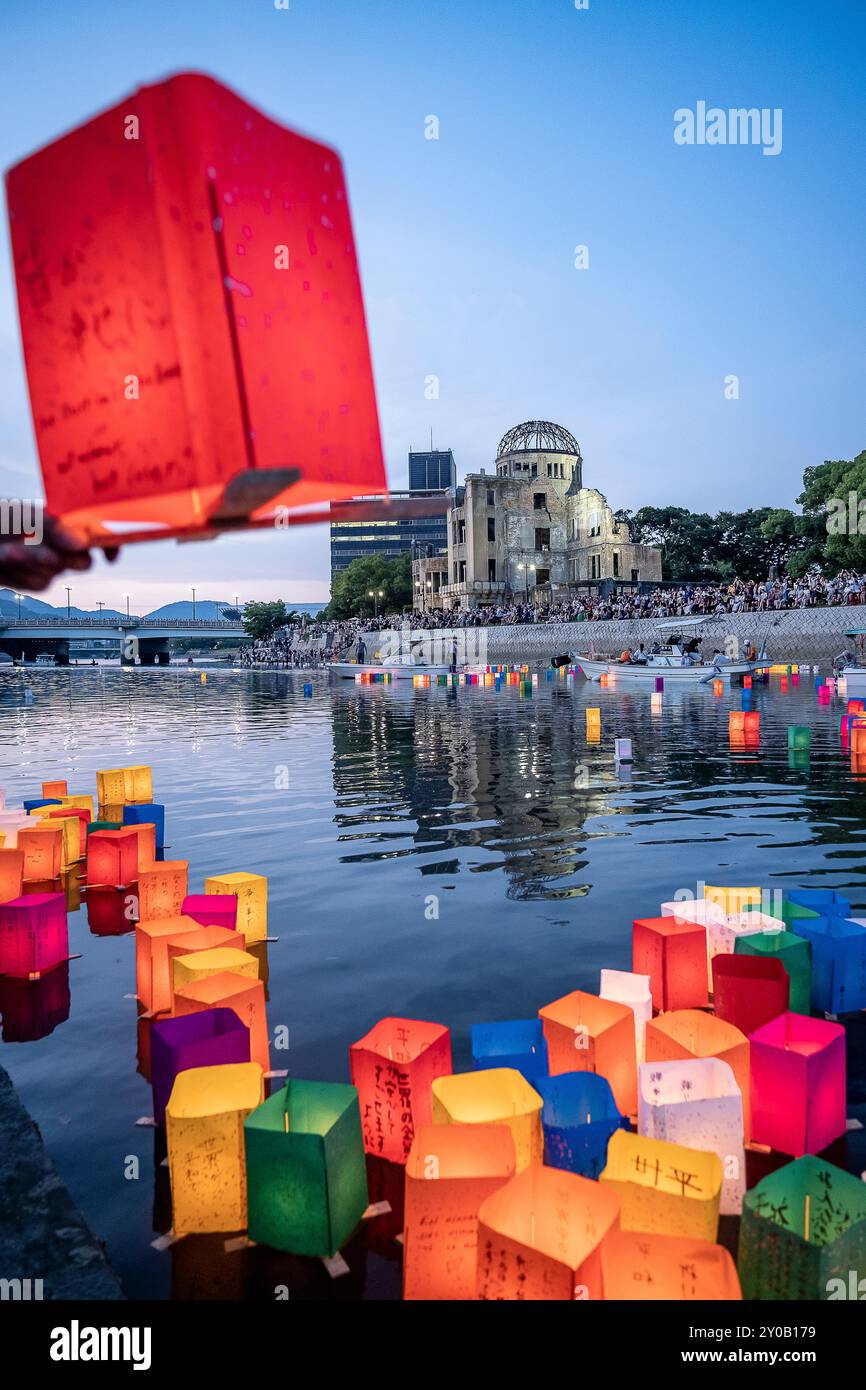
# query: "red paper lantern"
x,y
112,858
674,955
749,990
33,934
211,249
393,1067
65,812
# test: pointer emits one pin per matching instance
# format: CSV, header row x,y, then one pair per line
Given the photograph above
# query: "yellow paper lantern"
x,y
638,1266
498,1096
70,837
82,803
540,1237
664,1187
196,939
198,965
450,1171
251,891
205,1132
111,786
732,900
137,784
585,1033
162,889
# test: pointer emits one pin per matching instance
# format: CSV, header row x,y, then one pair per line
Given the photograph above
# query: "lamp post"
x,y
19,598
100,605
68,588
375,595
127,597
192,586
237,603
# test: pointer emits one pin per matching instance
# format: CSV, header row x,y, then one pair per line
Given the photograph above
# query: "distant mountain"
x,y
209,610
37,608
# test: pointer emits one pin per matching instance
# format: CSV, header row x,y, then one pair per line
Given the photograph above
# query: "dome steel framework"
x,y
538,436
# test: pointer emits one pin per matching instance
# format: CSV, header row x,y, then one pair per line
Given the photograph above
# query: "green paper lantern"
x,y
104,825
803,1234
799,736
306,1172
788,948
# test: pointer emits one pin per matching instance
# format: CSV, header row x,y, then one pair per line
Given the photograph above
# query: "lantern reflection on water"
x,y
585,1033
33,934
697,1103
539,1237
245,997
450,1171
674,955
577,1120
500,1096
798,1084
803,1234
640,1265
669,1188
210,1038
204,1127
306,1175
393,1067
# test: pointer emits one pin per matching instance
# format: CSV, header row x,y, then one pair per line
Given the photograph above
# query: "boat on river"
x,y
850,666
675,658
402,666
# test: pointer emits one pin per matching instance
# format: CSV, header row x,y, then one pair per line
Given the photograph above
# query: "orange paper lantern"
x,y
152,970
11,874
585,1033
495,1096
393,1067
161,889
43,853
112,858
639,1265
51,789
227,990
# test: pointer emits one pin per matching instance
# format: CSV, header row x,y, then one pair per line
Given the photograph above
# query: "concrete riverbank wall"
x,y
813,635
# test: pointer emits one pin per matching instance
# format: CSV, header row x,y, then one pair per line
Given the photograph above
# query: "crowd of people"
x,y
326,640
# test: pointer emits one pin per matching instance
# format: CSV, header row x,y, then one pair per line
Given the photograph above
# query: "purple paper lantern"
x,y
208,1038
212,909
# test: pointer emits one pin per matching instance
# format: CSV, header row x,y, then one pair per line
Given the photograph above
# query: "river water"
x,y
457,855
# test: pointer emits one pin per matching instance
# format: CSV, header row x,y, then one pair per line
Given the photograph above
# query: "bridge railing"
x,y
193,625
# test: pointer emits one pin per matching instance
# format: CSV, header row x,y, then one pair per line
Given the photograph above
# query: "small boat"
x,y
850,666
675,660
402,666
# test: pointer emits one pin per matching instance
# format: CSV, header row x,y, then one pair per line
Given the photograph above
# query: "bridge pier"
x,y
153,651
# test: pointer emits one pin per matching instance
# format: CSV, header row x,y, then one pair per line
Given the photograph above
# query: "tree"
x,y
263,619
350,590
838,519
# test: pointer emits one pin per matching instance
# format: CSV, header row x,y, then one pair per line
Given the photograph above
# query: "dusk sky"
x,y
556,129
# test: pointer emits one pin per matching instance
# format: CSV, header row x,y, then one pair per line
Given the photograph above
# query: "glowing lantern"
x,y
702,910
674,955
80,836
204,1121
634,990
638,1266
669,1188
306,1175
450,1171
795,954
70,838
798,1083
146,836
137,784
50,790
11,874
152,968
95,825
722,937
31,806
197,965
251,891
691,1033
656,702
151,814
393,1067
732,900
803,1234
585,1033
500,1096
194,939
539,1237
111,787
519,1044
43,853
162,889
212,909
82,803
112,858
749,990
838,948
213,1037
699,1104
245,997
33,934
577,1120
821,900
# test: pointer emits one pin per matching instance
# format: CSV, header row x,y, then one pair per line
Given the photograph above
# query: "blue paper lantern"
x,y
821,900
578,1119
838,962
148,813
519,1044
34,805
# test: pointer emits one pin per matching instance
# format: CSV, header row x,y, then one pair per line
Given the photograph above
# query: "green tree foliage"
x,y
263,619
838,519
698,547
350,591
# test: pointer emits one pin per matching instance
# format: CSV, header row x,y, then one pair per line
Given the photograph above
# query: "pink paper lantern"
x,y
674,955
798,1084
33,934
212,909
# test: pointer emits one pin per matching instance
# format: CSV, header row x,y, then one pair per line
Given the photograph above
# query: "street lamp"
x,y
127,597
192,586
68,588
100,605
375,595
526,569
19,598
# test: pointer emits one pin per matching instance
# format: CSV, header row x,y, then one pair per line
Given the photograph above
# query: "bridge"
x,y
138,639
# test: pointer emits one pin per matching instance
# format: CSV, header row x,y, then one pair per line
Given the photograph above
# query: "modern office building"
x,y
432,470
430,474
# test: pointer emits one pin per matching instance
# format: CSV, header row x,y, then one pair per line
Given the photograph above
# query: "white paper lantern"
x,y
634,990
698,1104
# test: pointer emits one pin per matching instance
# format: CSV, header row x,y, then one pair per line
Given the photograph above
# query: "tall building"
x,y
430,474
432,470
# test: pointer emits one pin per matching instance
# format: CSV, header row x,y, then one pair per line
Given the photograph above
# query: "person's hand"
x,y
33,566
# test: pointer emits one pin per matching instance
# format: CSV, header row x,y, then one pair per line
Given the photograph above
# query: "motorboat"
x,y
675,658
401,666
850,666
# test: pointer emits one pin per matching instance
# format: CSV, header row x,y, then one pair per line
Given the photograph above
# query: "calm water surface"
x,y
489,808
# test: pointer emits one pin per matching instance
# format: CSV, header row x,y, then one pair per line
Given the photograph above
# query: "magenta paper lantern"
x,y
209,1038
212,909
33,934
798,1084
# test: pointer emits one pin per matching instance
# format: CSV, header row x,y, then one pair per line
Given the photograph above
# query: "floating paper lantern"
x,y
585,1033
674,955
577,1121
722,936
669,1188
245,997
622,750
798,1083
112,858
82,817
111,786
83,803
31,806
152,967
623,987
51,790
450,1171
70,838
702,910
211,909
11,822
637,1265
518,1044
732,900
795,954
162,889
393,1067
11,874
197,939
749,990
306,1176
150,814
204,1126
33,934
251,891
691,1033
95,825
803,1234
838,947
821,900
43,853
699,1104
593,718
539,1237
137,784
197,965
146,836
500,1096
213,1037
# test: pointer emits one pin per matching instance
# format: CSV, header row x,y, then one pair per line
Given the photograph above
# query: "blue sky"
x,y
556,130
